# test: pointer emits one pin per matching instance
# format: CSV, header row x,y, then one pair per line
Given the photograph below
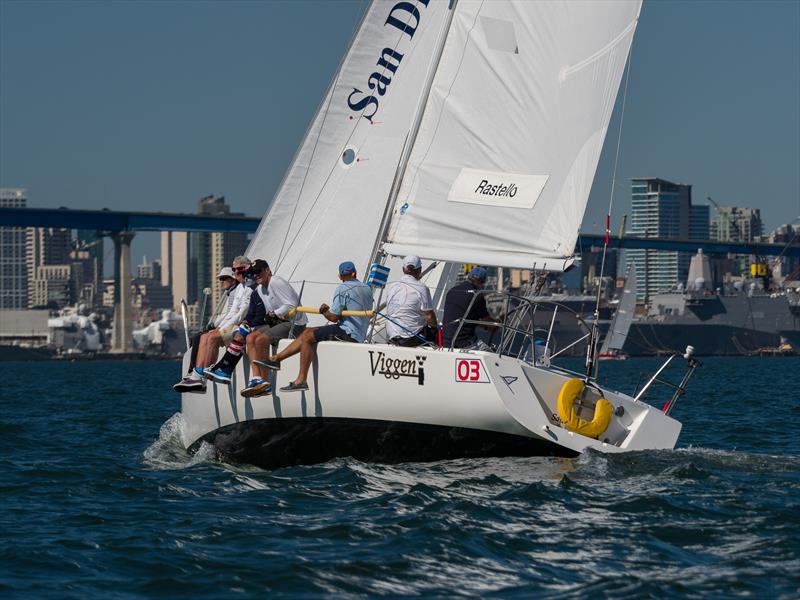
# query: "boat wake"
x,y
168,452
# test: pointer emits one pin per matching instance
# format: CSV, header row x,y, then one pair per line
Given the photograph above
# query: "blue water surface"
x,y
99,500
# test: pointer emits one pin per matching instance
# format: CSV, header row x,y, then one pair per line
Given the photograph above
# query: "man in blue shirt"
x,y
350,295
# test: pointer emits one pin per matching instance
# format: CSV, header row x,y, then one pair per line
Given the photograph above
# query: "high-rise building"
x,y
660,209
190,262
149,270
224,248
785,268
13,255
736,224
52,287
699,222
175,265
88,252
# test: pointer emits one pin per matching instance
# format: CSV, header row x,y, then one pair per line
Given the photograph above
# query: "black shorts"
x,y
410,342
329,333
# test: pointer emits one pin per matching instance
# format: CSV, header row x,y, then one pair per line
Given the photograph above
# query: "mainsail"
x,y
334,196
507,149
623,317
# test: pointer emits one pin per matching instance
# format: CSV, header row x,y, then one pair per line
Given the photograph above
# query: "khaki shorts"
x,y
227,333
280,331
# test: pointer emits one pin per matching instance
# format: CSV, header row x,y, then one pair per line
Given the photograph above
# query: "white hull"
x,y
372,402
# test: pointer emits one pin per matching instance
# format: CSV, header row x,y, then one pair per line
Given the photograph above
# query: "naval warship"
x,y
737,320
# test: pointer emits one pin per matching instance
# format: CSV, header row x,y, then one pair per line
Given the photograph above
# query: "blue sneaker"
x,y
200,371
218,376
256,387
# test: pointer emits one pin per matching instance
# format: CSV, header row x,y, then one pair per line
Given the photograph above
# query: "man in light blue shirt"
x,y
351,295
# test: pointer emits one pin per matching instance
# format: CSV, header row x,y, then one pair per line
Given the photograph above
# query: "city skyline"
x,y
216,103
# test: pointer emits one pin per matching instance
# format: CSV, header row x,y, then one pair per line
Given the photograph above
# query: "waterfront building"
x,y
660,209
149,270
88,251
735,224
52,286
149,294
13,255
785,269
50,277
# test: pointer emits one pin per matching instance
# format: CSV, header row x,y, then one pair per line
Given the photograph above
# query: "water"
x,y
96,503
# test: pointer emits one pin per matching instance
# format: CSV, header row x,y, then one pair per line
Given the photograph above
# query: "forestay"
x,y
331,202
511,134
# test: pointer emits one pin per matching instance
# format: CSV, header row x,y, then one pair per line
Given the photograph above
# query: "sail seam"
x,y
599,54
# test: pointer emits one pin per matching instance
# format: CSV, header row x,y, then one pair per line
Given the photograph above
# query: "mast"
x,y
409,143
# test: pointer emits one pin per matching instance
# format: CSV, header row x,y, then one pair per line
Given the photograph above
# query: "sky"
x,y
150,105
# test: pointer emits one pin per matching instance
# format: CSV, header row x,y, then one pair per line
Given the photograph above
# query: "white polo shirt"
x,y
280,297
406,300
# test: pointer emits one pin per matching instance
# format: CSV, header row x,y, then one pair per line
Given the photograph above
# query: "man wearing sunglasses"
x,y
222,330
267,321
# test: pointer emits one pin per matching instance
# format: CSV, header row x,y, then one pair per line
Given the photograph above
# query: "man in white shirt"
x,y
193,382
224,330
280,299
409,307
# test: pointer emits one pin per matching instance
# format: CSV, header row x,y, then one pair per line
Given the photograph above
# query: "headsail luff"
x,y
512,132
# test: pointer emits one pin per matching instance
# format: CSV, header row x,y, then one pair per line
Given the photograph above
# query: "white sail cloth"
x,y
623,317
508,145
331,203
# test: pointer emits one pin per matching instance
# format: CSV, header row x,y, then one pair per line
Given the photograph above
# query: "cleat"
x,y
295,387
218,376
270,364
256,387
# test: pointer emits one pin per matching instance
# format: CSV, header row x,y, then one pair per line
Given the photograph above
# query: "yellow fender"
x,y
566,411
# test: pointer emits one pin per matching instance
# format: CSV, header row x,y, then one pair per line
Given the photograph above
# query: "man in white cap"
x,y
409,307
193,381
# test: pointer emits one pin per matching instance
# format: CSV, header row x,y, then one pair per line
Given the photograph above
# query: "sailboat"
x,y
461,132
621,323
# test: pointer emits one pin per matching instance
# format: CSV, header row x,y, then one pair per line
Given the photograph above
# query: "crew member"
x,y
456,303
194,382
351,294
267,321
409,307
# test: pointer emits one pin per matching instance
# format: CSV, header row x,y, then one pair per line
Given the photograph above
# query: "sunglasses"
x,y
240,269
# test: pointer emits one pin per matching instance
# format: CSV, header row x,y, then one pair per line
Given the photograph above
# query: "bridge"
x,y
116,221
121,226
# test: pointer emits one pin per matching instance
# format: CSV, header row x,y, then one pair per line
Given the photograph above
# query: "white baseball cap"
x,y
412,261
225,272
